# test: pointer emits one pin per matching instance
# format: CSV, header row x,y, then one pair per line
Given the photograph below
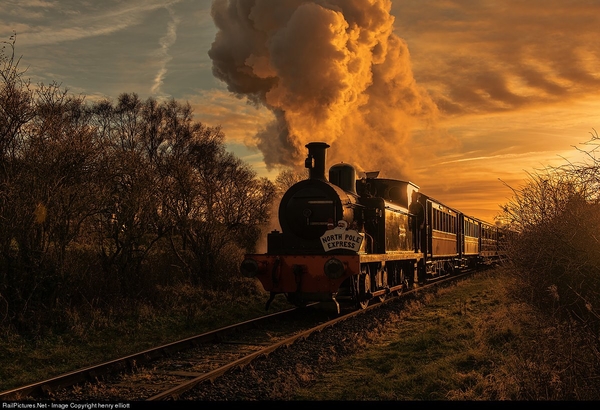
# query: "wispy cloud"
x,y
39,22
166,42
481,57
492,157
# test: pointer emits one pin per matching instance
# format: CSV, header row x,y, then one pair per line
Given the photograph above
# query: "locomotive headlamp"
x,y
249,268
334,268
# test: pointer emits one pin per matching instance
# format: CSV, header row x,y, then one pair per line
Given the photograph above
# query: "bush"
x,y
556,219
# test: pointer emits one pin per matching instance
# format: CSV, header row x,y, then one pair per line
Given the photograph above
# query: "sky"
x,y
463,98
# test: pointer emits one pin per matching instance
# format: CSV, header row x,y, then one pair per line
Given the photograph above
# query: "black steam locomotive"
x,y
349,240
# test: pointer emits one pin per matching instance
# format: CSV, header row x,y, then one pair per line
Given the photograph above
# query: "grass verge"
x,y
473,341
101,336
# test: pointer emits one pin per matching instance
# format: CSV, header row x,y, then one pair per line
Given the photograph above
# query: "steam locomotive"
x,y
351,241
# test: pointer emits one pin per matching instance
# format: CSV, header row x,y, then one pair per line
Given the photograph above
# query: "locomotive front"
x,y
309,208
320,235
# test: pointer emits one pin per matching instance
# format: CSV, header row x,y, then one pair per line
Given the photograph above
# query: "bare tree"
x,y
221,204
131,223
46,189
557,246
287,178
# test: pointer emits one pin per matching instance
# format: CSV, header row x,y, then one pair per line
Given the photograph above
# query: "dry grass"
x,y
93,335
471,342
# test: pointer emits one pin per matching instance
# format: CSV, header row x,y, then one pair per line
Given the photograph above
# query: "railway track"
x,y
168,371
140,365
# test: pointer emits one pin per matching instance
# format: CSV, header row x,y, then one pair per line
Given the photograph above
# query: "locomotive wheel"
x,y
400,280
384,281
364,287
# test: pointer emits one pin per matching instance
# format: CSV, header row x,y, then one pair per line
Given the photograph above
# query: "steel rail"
x,y
40,389
212,375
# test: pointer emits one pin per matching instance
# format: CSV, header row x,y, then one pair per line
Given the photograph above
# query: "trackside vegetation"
x,y
475,341
108,206
554,223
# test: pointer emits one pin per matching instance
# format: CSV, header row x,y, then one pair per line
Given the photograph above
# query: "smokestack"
x,y
315,162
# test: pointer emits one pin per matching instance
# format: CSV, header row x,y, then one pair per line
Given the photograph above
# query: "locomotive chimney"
x,y
315,162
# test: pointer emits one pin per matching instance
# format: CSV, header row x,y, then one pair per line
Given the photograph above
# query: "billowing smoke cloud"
x,y
329,70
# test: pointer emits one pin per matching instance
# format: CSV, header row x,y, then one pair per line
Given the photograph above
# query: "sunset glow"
x,y
463,97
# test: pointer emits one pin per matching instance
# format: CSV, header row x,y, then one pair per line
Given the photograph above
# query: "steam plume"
x,y
329,70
